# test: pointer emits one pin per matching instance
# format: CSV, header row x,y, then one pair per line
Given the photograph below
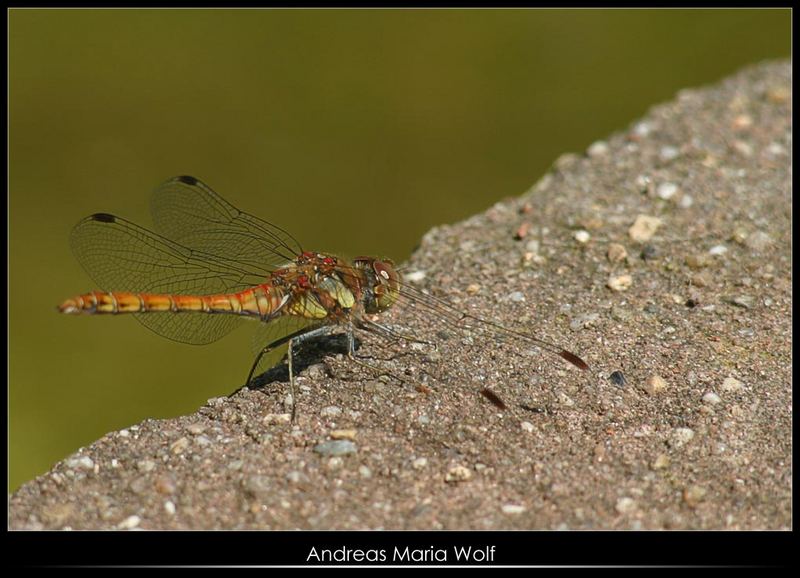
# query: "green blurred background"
x,y
358,130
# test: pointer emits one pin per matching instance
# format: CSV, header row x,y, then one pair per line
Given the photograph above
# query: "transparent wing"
x,y
187,211
122,256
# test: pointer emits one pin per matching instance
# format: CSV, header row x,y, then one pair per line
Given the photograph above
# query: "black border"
x,y
568,548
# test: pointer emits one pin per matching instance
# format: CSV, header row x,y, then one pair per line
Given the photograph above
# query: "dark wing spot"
x,y
573,359
187,180
103,217
493,397
617,378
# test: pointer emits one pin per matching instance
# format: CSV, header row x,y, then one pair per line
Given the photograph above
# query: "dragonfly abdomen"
x,y
261,301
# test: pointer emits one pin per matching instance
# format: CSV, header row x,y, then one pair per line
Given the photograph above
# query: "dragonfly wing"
x,y
122,256
188,211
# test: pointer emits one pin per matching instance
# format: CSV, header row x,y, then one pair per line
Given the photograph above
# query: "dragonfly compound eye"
x,y
387,288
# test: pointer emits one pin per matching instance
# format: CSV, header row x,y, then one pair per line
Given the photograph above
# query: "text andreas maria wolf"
x,y
407,554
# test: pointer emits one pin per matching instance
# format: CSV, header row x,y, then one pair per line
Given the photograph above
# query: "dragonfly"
x,y
208,266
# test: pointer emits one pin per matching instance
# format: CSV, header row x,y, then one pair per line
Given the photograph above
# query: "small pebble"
x,y
758,241
458,474
295,477
80,463
680,436
473,288
564,399
626,505
336,448
258,486
642,129
335,463
698,261
617,378
702,279
619,313
516,297
644,228
419,463
779,94
686,202
718,250
668,153
582,236
330,411
164,485
693,495
532,246
364,472
196,428
731,384
743,301
343,434
586,320
179,446
616,253
667,190
169,507
597,149
513,509
654,385
712,398
522,231
129,523
742,122
272,418
415,276
526,426
661,462
743,148
620,282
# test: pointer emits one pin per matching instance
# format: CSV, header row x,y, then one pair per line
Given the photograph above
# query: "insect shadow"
x,y
304,354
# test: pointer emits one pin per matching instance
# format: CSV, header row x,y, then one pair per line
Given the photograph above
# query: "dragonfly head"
x,y
384,282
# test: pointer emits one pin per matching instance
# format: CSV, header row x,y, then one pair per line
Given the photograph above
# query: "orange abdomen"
x,y
261,301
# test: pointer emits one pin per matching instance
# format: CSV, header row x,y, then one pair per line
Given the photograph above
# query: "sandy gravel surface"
x,y
691,306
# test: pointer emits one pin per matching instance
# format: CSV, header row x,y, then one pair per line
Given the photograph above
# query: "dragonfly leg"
x,y
351,353
291,380
297,336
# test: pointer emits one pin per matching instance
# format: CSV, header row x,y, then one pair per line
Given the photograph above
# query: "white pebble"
x,y
668,153
712,398
680,437
620,282
582,236
732,384
513,509
626,505
169,507
415,276
644,228
419,463
597,149
129,523
667,190
526,426
718,250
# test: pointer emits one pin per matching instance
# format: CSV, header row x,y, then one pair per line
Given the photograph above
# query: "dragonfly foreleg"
x,y
385,331
351,353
